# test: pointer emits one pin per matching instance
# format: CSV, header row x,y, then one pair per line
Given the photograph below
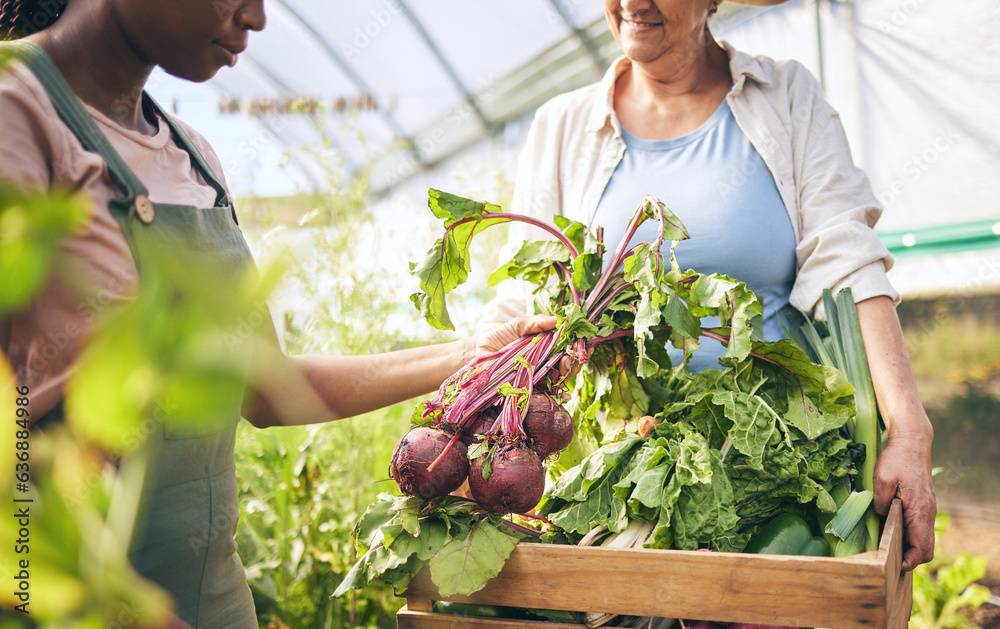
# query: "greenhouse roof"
x,y
409,80
411,88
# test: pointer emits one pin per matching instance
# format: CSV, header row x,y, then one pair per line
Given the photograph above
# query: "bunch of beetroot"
x,y
497,404
503,399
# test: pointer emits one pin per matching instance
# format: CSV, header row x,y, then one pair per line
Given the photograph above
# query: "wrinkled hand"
x,y
904,470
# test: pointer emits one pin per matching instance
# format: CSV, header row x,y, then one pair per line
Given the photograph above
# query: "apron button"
x,y
144,209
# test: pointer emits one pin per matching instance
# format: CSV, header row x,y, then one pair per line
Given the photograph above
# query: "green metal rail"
x,y
943,239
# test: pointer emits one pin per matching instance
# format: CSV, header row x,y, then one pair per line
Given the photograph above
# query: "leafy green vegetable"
x,y
637,297
447,264
737,446
462,566
463,546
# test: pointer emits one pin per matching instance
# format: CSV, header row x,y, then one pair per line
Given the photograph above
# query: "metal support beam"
x,y
449,70
341,63
304,166
581,35
819,44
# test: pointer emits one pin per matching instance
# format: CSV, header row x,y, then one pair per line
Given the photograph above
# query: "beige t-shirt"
x,y
94,270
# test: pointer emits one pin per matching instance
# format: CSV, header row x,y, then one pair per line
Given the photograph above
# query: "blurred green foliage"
x,y
31,229
174,348
956,361
945,592
81,511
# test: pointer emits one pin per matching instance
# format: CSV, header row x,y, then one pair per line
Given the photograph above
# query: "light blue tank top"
x,y
714,180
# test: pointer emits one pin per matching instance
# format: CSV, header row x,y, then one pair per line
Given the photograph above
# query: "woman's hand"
x,y
503,335
904,470
904,467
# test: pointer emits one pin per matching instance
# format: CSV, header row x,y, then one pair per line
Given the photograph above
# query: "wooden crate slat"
x,y
891,554
855,591
407,619
711,586
899,608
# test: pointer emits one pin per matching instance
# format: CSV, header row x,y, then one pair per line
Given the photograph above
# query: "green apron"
x,y
186,542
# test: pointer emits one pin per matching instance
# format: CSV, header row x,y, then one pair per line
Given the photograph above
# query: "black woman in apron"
x,y
74,116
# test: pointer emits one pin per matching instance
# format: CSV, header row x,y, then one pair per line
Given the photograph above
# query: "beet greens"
x,y
636,297
735,445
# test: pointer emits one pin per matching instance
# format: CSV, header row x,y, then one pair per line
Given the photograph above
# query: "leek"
x,y
844,349
866,429
850,514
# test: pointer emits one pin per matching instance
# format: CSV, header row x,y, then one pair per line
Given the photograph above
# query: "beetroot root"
x,y
415,451
548,425
516,482
480,425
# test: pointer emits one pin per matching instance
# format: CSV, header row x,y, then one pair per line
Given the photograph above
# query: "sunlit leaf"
x,y
463,566
32,226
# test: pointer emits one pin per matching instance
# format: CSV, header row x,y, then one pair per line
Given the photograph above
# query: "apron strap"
x,y
185,142
72,112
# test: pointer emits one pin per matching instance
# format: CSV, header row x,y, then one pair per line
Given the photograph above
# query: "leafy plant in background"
x,y
945,592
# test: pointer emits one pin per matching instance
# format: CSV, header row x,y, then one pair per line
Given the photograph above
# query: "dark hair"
x,y
24,17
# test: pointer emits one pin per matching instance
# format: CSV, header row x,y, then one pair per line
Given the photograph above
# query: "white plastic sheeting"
x,y
917,83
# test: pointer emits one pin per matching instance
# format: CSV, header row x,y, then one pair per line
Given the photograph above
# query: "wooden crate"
x,y
866,590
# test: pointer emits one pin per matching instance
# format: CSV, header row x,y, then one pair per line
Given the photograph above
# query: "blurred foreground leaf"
x,y
32,225
177,354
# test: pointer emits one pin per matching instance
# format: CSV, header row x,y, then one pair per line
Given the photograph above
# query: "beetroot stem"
x,y
524,219
447,449
568,278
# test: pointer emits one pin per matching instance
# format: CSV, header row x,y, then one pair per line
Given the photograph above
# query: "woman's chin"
x,y
198,74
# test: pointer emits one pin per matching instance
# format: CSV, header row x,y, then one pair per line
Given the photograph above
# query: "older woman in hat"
x,y
754,161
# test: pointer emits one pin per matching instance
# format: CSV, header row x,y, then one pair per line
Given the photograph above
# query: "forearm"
x,y
316,389
892,375
903,468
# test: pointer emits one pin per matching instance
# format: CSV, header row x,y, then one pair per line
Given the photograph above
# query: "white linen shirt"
x,y
575,144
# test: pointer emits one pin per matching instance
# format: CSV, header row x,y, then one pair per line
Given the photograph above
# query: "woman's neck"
x,y
675,93
102,68
699,67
